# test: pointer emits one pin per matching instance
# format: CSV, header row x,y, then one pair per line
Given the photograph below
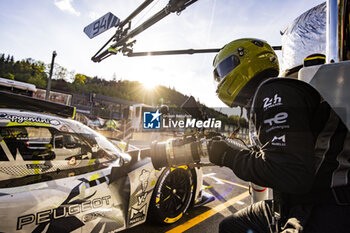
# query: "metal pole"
x,y
136,12
48,89
332,48
180,52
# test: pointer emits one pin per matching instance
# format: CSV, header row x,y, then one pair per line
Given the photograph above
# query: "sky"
x,y
35,28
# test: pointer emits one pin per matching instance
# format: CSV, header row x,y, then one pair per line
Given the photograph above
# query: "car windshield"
x,y
106,145
101,146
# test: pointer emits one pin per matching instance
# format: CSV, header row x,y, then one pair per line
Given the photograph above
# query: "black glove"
x,y
221,152
217,151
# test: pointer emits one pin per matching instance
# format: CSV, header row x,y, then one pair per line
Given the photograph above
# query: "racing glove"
x,y
221,153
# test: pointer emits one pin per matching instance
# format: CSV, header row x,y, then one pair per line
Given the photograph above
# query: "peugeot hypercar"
x,y
58,175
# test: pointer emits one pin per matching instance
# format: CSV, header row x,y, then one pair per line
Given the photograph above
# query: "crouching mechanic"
x,y
300,147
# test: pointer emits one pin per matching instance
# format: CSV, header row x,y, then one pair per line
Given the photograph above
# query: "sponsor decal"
x,y
152,120
64,128
54,122
94,149
92,216
36,119
72,161
144,176
159,190
144,179
68,210
279,127
137,215
279,118
38,166
141,198
272,102
279,141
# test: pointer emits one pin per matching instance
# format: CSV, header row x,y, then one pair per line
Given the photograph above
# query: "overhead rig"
x,y
122,35
121,41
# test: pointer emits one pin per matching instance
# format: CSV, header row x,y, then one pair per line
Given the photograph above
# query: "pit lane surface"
x,y
231,194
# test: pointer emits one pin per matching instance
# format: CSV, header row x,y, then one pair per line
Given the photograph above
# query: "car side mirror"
x,y
126,158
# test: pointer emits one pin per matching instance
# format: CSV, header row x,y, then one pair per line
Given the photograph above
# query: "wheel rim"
x,y
175,192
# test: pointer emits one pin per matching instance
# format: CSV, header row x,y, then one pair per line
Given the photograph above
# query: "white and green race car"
x,y
58,175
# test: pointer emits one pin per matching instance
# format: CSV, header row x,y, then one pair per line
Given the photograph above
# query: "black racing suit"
x,y
302,153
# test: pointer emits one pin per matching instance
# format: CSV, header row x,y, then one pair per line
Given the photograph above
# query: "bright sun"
x,y
149,85
146,67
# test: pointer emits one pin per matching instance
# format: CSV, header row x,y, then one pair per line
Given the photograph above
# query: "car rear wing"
x,y
21,102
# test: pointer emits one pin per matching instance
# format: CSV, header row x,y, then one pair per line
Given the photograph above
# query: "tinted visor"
x,y
225,67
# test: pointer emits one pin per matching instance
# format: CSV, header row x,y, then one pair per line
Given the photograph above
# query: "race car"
x,y
58,175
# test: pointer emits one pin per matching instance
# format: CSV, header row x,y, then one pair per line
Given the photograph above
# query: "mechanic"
x,y
300,147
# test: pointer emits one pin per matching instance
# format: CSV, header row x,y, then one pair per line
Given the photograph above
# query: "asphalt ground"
x,y
231,194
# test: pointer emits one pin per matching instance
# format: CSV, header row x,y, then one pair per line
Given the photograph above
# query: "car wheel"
x,y
172,195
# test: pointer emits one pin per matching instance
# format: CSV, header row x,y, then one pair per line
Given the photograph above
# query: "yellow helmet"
x,y
237,64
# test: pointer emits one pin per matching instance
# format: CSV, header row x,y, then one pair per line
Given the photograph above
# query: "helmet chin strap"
x,y
249,103
242,104
234,133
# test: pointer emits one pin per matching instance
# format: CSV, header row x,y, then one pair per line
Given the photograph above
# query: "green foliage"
x,y
38,81
235,120
9,76
59,72
27,70
61,84
79,79
35,72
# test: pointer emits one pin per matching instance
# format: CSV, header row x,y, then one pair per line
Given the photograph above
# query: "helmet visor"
x,y
225,67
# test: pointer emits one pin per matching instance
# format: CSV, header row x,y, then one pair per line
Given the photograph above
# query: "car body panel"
x,y
76,191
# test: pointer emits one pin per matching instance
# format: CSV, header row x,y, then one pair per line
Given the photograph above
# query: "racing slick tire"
x,y
172,195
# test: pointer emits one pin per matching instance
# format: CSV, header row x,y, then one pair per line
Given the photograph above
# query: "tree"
x,y
36,72
39,66
38,81
79,79
60,72
60,84
70,76
8,76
